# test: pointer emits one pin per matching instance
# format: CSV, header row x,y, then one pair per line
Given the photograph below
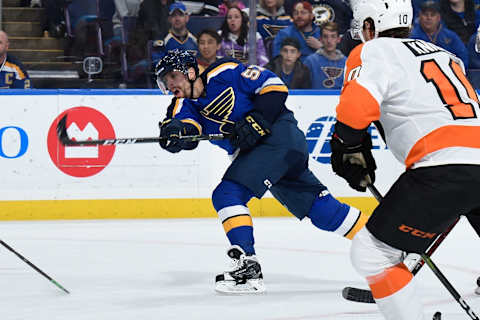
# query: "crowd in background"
x,y
304,42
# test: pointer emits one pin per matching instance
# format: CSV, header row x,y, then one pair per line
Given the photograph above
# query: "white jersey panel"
x,y
416,91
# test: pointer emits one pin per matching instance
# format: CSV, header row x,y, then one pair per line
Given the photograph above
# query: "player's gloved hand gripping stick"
x,y
66,141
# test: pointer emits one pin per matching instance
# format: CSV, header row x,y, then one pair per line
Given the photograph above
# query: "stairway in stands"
x,y
42,56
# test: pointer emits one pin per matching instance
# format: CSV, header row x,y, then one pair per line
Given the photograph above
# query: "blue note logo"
x,y
319,134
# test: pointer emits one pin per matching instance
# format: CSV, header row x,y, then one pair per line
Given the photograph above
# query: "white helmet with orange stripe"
x,y
385,14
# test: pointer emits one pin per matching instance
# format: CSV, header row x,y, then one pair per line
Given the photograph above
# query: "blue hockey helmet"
x,y
175,60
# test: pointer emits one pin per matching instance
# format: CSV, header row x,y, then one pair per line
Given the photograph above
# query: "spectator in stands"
x,y
288,66
473,54
202,8
271,18
153,15
431,29
124,8
461,17
54,18
12,73
234,33
303,29
227,4
324,11
178,37
328,63
208,44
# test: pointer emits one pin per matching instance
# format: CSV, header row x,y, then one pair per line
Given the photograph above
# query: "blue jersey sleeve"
x,y
255,80
186,111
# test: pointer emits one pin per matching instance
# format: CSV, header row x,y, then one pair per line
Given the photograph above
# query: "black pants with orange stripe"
x,y
423,202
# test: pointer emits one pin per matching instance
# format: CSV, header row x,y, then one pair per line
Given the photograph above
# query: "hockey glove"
x,y
248,131
170,132
354,163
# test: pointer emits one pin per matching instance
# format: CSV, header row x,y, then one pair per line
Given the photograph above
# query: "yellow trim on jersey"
x,y
177,105
195,123
361,222
145,208
237,221
280,88
221,68
17,68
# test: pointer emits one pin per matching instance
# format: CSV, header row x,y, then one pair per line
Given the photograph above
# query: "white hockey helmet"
x,y
386,14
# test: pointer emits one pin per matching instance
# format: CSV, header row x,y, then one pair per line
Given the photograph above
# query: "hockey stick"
x,y
66,141
435,269
34,266
365,296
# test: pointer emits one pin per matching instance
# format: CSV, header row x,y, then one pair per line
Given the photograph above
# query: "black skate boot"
x,y
244,278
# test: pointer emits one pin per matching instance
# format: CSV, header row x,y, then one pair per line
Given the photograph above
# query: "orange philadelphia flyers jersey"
x,y
421,96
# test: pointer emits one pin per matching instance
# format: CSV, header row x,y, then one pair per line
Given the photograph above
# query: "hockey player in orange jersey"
x,y
429,113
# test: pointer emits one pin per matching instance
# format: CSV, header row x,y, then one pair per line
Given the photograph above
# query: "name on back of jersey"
x,y
422,48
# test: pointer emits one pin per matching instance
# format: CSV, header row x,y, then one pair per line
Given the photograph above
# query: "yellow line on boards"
x,y
143,208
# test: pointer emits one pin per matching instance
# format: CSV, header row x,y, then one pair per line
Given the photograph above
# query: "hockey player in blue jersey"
x,y
269,152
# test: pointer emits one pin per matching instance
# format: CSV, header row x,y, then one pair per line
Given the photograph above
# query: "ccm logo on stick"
x,y
416,232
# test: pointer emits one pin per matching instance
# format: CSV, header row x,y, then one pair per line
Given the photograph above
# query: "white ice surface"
x,y
164,269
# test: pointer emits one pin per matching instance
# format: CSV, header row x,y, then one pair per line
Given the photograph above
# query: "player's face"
x,y
3,44
178,84
289,54
429,20
208,46
234,20
302,17
329,40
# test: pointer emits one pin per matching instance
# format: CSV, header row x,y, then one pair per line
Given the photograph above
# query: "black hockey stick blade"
x,y
358,295
66,141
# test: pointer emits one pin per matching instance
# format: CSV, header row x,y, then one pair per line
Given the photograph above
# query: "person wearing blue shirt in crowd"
x,y
328,63
430,28
461,17
12,73
178,37
303,29
271,18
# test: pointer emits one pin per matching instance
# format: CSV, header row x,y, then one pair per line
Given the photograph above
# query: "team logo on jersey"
x,y
332,73
319,134
323,13
272,29
220,109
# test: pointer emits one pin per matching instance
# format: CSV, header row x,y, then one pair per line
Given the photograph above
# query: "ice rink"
x,y
165,269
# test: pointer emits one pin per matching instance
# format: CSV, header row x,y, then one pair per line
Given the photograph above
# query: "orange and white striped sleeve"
x,y
364,88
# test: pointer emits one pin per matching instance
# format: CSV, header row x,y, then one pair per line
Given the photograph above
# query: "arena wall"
x,y
40,179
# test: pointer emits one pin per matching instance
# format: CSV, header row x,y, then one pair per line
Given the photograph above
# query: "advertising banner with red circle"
x,y
83,123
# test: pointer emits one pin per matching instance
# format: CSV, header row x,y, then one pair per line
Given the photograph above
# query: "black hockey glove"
x,y
248,131
354,163
170,132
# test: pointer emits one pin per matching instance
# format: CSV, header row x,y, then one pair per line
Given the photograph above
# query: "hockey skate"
x,y
244,278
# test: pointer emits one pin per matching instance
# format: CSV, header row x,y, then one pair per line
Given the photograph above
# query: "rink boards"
x,y
41,179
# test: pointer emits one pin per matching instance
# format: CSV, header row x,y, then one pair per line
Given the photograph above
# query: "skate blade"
x,y
254,286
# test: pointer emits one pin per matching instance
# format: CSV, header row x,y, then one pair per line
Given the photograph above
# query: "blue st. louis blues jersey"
x,y
230,88
13,75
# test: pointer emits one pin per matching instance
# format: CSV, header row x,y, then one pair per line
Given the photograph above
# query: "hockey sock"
x,y
395,293
230,200
329,214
